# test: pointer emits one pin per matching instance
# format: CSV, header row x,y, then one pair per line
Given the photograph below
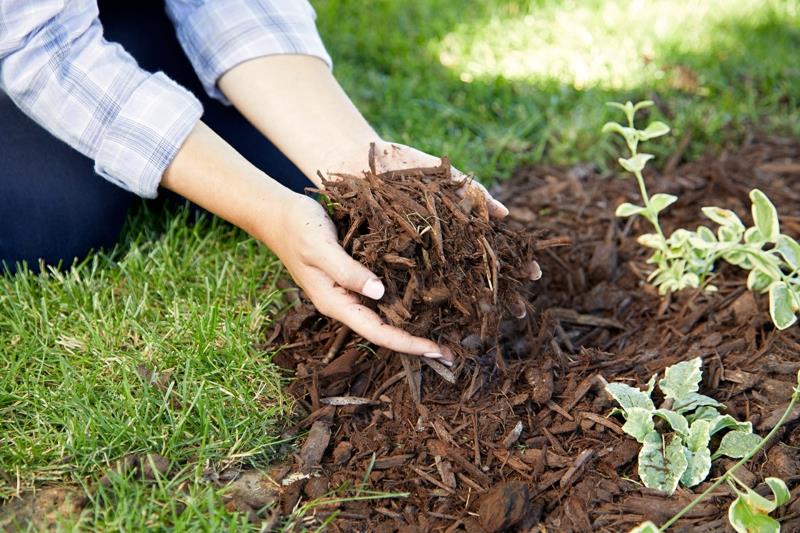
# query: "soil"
x,y
516,437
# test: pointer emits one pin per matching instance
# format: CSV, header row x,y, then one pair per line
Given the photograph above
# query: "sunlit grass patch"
x,y
611,44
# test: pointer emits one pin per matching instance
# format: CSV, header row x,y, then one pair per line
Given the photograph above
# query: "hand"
x,y
306,243
394,156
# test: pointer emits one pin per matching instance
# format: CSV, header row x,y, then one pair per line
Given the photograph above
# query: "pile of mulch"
x,y
516,436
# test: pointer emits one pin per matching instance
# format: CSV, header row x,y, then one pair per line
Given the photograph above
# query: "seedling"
x,y
680,452
687,258
749,512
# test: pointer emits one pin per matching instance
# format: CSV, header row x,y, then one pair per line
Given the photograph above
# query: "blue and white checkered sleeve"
x,y
56,66
217,35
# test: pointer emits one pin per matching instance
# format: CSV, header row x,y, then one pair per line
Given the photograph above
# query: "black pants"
x,y
52,204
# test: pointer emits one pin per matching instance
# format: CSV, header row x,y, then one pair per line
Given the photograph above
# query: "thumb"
x,y
351,274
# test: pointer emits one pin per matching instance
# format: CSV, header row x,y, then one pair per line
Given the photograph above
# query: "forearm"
x,y
210,173
296,102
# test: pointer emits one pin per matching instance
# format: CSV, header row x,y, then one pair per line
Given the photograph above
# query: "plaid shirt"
x,y
56,66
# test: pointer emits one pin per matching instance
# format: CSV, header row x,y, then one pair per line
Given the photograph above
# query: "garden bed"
x,y
522,436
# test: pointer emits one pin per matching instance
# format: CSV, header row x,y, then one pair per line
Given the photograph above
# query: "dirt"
x,y
516,437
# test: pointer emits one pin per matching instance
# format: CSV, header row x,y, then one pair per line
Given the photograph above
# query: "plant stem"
x,y
646,200
742,461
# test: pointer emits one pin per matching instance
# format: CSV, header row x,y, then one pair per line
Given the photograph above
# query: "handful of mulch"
x,y
451,274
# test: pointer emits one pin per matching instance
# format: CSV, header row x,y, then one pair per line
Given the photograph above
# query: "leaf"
x,y
746,520
677,422
661,470
681,379
765,216
645,527
729,235
693,401
638,423
752,236
789,250
642,105
659,202
629,134
723,217
728,422
779,489
736,256
706,234
618,105
766,263
653,130
737,444
636,163
628,397
649,240
781,305
758,503
699,435
626,210
757,281
706,412
613,127
698,465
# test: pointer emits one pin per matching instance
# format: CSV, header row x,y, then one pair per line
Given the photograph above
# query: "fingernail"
x,y
439,357
536,271
503,209
374,289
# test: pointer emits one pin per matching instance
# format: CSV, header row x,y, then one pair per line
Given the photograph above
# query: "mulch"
x,y
516,437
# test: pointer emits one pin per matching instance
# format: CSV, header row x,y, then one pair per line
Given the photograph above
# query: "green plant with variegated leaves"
x,y
687,258
749,512
677,450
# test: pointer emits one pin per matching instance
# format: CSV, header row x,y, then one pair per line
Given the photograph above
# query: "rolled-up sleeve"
x,y
57,67
217,35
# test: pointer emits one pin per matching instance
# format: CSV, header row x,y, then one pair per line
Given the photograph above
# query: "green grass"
x,y
189,302
493,84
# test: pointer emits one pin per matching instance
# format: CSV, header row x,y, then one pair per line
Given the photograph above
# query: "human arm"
x,y
56,66
297,102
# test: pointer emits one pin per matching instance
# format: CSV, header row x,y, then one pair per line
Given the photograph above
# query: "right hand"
x,y
304,239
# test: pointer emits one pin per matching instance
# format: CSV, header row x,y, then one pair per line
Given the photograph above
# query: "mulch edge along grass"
x,y
595,319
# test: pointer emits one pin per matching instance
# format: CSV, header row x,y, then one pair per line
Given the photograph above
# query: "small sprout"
x,y
686,259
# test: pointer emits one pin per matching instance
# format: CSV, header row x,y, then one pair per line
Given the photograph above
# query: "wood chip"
x,y
570,475
393,461
573,317
513,435
347,400
440,369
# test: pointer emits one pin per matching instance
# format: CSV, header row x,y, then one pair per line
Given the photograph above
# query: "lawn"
x,y
493,84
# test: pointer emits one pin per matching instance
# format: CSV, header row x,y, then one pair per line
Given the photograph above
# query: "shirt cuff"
x,y
146,134
219,35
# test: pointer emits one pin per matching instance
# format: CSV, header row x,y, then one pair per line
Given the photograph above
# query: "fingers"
x,y
337,303
349,273
496,209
